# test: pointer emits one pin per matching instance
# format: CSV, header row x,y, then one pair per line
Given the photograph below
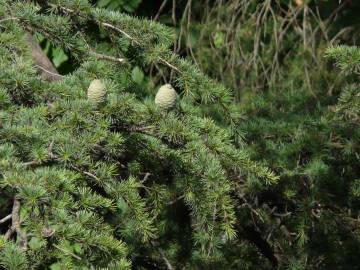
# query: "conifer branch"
x,y
170,65
53,157
108,25
104,24
113,27
67,184
117,29
93,176
67,252
176,200
31,163
49,72
108,58
9,19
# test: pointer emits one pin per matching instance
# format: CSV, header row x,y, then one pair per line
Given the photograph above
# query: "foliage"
x,y
59,57
119,5
120,184
295,118
271,182
312,143
252,45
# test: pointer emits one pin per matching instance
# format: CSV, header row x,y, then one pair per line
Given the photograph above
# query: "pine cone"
x,y
96,92
166,97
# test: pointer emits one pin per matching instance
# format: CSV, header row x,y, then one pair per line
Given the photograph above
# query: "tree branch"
x,y
15,227
163,256
45,67
262,245
108,58
67,252
167,262
117,29
3,220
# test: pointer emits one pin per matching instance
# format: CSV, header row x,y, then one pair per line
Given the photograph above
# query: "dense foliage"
x,y
95,173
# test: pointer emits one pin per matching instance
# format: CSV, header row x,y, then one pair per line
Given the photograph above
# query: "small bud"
x,y
96,92
166,97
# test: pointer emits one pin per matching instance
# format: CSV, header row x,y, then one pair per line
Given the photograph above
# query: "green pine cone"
x,y
166,97
96,92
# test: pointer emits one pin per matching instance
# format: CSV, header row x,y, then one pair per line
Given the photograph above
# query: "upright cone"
x,y
96,92
166,97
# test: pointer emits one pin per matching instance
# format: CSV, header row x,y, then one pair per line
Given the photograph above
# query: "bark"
x,y
45,68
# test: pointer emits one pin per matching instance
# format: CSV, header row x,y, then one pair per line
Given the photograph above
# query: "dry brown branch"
x,y
167,262
9,19
3,220
107,57
146,177
176,200
15,226
67,252
160,10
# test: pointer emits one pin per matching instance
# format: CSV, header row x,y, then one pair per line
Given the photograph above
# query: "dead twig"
x,y
15,226
163,256
167,262
160,10
3,220
176,200
67,252
146,177
107,57
9,19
